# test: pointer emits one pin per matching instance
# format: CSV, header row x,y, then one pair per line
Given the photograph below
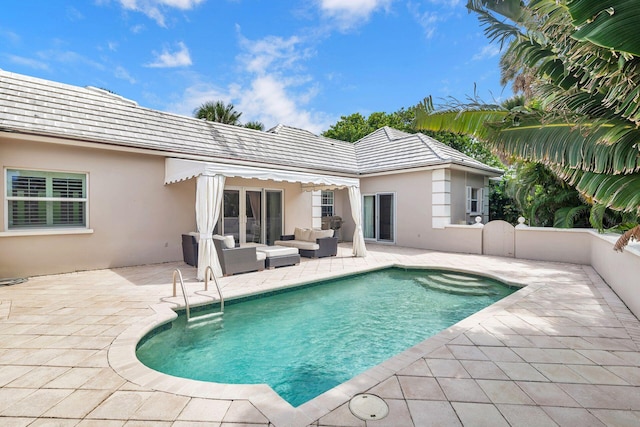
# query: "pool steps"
x,y
456,284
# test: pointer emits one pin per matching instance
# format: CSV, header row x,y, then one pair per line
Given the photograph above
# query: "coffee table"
x,y
279,256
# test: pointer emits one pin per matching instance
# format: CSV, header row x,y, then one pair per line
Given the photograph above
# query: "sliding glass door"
x,y
274,217
252,215
378,217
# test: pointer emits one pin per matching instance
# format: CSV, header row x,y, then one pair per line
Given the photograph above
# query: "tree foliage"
x,y
582,62
219,112
355,126
256,125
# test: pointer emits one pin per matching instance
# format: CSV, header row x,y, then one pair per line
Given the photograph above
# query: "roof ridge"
x,y
395,134
428,142
277,128
106,92
372,135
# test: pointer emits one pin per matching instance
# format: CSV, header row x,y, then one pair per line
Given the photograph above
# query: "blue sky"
x,y
301,63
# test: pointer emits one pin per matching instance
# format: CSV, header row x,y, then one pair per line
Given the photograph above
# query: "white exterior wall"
x,y
133,217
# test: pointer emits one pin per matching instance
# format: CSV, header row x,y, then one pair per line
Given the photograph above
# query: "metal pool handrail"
x,y
215,280
184,292
208,272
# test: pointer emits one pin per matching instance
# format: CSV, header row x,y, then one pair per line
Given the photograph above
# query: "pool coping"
x,y
122,355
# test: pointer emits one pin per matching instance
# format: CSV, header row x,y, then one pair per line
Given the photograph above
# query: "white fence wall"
x,y
621,271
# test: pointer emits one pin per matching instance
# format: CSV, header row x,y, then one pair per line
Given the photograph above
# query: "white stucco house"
x,y
92,180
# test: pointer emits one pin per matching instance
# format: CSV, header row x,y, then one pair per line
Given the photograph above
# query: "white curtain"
x,y
209,194
359,249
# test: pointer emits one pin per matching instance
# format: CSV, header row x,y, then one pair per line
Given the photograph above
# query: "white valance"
x,y
181,169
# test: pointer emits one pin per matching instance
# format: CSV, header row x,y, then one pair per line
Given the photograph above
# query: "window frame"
x,y
324,204
51,203
479,200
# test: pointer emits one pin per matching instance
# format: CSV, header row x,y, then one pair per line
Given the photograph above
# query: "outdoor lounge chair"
x,y
237,260
190,249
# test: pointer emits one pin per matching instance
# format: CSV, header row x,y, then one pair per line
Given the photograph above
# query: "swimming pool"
x,y
306,341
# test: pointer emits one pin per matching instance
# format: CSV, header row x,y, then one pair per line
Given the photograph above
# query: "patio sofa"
x,y
237,260
311,243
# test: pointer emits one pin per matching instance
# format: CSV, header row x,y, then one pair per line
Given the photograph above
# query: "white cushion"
x,y
260,256
301,234
229,242
319,234
310,246
271,251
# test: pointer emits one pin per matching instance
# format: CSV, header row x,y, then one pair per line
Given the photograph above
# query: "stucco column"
x,y
440,198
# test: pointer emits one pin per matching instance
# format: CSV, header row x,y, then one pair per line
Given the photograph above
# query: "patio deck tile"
x,y
525,416
483,369
571,417
479,414
563,350
462,390
618,418
205,410
427,413
447,368
500,391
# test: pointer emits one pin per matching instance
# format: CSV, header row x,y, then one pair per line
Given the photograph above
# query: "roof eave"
x,y
488,171
62,139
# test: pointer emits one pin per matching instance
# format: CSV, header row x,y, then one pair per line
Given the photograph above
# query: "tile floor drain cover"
x,y
368,407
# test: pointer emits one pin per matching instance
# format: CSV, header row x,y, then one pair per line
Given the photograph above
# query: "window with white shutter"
x,y
40,199
474,200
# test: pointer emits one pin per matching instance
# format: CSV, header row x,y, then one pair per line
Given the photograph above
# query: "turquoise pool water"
x,y
306,341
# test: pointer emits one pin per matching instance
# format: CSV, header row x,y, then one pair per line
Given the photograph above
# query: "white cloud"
x,y
427,21
271,85
488,51
136,29
166,59
27,62
9,35
196,95
272,53
74,14
348,14
68,57
269,99
122,73
448,3
154,9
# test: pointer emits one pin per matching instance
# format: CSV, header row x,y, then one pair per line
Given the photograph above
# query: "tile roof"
x,y
389,149
41,107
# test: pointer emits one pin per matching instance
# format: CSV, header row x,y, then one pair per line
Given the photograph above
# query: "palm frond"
x,y
606,23
596,216
618,192
474,122
566,217
633,234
